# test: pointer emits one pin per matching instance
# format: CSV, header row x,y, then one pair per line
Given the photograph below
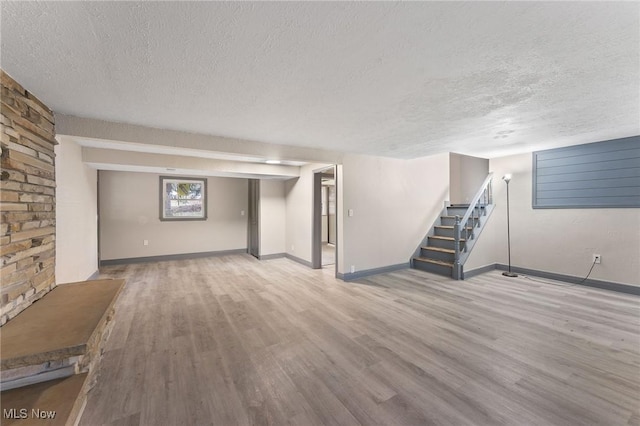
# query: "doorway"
x,y
324,218
253,219
328,193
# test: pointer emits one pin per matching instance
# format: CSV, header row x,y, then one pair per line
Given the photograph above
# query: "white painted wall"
x,y
273,220
129,214
331,225
76,215
561,241
394,203
466,174
325,229
299,205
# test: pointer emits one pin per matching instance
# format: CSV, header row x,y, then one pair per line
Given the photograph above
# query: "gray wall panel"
x,y
602,174
629,191
629,163
590,148
592,175
574,203
591,158
589,183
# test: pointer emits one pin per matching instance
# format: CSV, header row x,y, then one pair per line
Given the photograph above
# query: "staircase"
x,y
448,243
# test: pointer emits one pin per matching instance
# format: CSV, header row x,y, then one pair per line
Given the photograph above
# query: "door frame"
x,y
316,223
254,197
98,215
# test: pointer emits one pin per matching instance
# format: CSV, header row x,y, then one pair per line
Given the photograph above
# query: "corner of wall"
x,y
273,221
76,214
299,212
394,202
560,241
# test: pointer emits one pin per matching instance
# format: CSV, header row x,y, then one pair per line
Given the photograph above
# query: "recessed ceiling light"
x,y
273,161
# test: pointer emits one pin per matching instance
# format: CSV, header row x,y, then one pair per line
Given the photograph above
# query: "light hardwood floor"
x,y
233,340
328,254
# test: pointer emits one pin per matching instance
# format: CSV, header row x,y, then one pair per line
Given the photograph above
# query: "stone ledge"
x,y
65,397
69,321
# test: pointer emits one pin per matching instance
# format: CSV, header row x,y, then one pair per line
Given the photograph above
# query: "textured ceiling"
x,y
396,79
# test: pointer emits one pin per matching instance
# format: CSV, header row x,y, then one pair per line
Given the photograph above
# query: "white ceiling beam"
x,y
108,159
68,125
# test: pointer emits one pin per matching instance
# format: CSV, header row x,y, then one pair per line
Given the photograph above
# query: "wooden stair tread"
x,y
435,261
451,227
64,396
453,217
462,206
438,237
64,323
442,250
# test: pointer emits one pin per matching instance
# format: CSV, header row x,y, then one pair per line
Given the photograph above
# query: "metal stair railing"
x,y
477,207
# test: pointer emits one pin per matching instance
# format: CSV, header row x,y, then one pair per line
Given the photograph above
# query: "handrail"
x,y
476,198
485,193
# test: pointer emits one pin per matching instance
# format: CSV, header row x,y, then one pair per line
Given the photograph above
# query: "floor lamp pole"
x,y
507,178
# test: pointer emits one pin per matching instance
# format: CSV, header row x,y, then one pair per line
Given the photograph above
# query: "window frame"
x,y
182,179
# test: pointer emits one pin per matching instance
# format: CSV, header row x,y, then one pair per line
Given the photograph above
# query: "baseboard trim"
x,y
272,256
350,276
297,259
478,271
162,258
604,285
94,276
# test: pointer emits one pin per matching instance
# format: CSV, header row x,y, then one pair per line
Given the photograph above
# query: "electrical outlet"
x,y
597,258
293,248
145,242
353,268
241,212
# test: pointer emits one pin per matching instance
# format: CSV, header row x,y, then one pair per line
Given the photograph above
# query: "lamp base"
x,y
509,274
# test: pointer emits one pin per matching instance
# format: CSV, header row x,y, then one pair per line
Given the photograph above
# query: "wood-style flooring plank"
x,y
232,340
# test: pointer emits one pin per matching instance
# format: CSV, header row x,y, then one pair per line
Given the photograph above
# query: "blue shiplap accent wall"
x,y
595,175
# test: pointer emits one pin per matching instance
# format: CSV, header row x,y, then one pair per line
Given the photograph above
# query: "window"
x,y
602,175
183,199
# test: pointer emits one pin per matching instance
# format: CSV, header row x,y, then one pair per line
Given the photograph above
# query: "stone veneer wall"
x,y
27,199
